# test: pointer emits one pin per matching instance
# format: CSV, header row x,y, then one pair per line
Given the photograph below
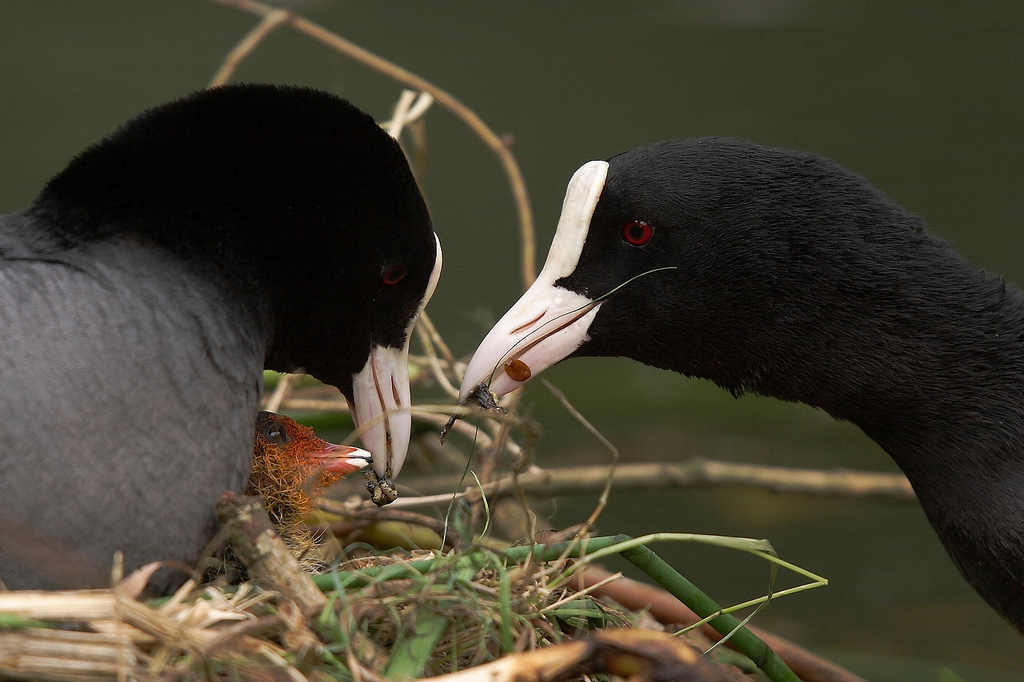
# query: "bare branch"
x,y
245,46
692,473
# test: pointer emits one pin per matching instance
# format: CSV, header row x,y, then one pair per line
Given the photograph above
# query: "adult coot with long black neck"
x,y
151,282
784,274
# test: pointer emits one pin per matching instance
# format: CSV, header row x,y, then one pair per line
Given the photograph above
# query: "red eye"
x,y
637,232
393,274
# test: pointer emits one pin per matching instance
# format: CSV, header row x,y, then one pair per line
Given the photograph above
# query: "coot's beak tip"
x,y
544,326
380,408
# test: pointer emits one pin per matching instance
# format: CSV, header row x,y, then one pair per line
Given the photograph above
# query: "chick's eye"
x,y
277,435
637,232
393,274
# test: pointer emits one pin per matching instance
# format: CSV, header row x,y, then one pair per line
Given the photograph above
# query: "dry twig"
x,y
691,473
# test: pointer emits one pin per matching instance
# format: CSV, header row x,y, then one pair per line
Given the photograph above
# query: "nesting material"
x,y
109,634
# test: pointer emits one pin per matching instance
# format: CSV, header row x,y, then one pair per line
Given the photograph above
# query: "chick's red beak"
x,y
341,459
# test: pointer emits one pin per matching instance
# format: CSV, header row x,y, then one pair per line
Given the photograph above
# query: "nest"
x,y
380,617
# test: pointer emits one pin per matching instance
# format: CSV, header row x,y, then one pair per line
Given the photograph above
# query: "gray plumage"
x,y
146,288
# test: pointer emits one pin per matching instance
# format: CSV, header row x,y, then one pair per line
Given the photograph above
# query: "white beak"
x,y
381,407
381,395
545,325
548,322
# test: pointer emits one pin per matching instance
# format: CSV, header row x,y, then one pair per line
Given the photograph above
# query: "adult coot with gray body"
x,y
147,287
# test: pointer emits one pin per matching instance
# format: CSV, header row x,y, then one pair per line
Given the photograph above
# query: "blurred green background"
x,y
926,99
